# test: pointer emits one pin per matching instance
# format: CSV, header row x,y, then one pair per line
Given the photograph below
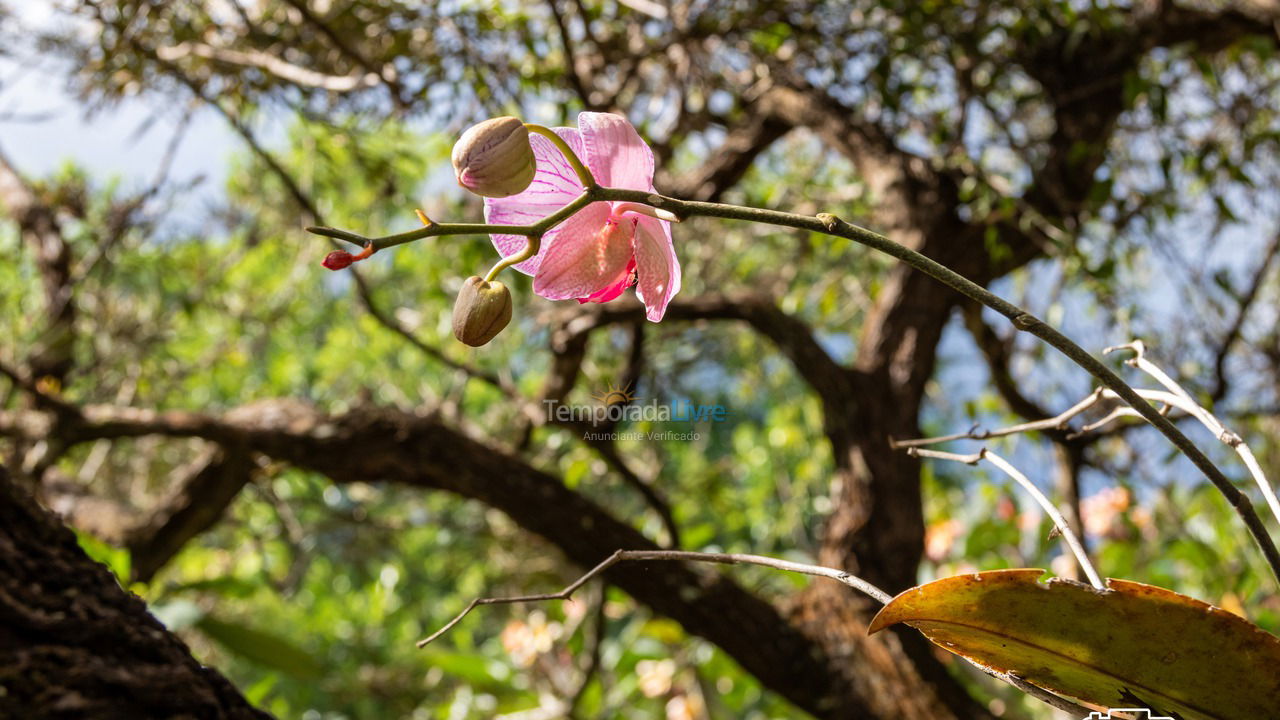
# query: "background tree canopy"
x,y
303,473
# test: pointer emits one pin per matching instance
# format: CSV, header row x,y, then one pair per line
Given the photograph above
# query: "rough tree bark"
x,y
75,645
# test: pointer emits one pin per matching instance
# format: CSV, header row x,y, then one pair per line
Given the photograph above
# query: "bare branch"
x,y
1057,422
1115,414
737,559
269,63
1064,528
1178,397
649,555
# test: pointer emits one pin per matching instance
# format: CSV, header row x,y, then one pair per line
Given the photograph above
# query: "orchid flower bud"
x,y
483,309
338,259
494,158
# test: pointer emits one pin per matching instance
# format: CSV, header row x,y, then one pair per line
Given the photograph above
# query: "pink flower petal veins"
x,y
554,186
615,152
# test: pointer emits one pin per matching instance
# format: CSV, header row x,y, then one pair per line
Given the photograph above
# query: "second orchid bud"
x,y
494,158
482,310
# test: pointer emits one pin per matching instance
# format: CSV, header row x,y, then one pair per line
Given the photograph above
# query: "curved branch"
x,y
421,452
196,503
1021,319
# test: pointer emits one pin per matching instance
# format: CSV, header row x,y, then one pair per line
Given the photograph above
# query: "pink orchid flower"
x,y
607,246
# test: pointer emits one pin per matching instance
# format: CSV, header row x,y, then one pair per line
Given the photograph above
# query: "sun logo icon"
x,y
614,395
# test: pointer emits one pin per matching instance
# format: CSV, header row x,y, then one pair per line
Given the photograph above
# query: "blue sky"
x,y
106,143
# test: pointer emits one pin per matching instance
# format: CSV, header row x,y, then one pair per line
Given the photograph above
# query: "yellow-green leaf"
x,y
1132,645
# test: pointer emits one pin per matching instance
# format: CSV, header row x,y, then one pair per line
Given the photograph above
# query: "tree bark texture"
x,y
75,645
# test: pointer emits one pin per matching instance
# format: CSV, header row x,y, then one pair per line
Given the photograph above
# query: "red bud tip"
x,y
338,259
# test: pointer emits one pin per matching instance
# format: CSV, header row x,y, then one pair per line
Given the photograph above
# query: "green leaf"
x,y
1132,644
262,647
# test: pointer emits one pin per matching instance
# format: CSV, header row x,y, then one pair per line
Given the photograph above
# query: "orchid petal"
x,y
615,153
657,269
554,185
584,260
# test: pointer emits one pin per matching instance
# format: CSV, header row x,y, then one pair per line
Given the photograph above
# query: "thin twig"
x,y
1059,522
1057,422
1206,418
740,559
647,555
1116,414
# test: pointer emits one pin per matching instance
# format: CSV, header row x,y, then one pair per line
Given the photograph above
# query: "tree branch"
x,y
269,63
1237,325
200,496
740,559
421,452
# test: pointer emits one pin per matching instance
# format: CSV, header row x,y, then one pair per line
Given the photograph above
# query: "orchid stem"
x,y
588,180
436,229
831,225
530,249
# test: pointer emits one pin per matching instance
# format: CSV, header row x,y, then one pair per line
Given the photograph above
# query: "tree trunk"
x,y
74,644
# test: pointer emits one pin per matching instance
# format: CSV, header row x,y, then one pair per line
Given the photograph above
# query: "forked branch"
x,y
1182,400
743,559
1059,522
